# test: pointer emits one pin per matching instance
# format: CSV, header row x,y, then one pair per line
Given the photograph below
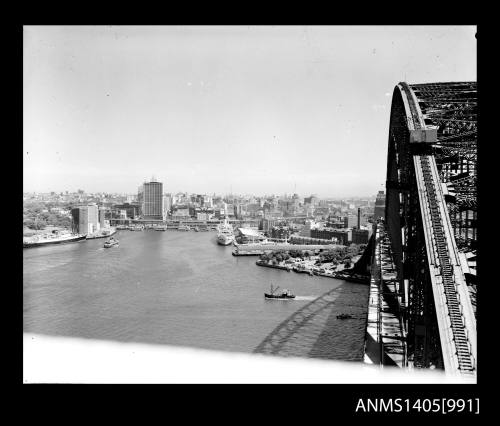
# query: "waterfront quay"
x,y
103,233
307,259
311,268
259,247
286,246
175,223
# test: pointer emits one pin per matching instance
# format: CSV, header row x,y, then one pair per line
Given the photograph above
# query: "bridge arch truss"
x,y
431,220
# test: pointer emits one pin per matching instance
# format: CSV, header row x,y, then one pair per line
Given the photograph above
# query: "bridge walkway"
x,y
385,338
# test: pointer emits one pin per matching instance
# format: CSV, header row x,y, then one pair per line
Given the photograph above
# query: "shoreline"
x,y
339,275
261,263
94,237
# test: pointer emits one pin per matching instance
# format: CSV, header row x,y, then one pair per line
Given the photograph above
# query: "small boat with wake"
x,y
344,316
285,294
110,243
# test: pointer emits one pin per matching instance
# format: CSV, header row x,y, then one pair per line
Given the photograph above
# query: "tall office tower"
x,y
167,203
140,198
237,211
379,211
85,219
102,215
152,200
312,200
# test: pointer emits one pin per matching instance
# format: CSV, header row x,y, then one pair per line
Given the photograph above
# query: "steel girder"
x,y
450,109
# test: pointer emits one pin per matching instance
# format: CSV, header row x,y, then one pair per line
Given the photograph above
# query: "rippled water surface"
x,y
181,288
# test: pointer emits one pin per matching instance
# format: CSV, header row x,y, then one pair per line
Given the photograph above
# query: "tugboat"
x,y
344,316
285,294
110,243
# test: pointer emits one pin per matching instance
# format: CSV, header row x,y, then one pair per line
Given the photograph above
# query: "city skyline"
x,y
210,194
223,109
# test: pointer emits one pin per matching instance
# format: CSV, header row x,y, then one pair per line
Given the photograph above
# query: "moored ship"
x,y
54,238
225,235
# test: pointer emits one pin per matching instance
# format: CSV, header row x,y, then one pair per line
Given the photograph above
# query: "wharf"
x,y
246,253
308,271
104,233
287,246
270,265
303,270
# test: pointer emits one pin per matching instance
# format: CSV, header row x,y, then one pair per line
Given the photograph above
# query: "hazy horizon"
x,y
233,109
258,195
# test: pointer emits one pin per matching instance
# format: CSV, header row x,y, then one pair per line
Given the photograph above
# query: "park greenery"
x,y
334,256
37,215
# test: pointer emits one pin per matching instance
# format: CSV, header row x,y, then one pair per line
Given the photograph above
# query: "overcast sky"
x,y
208,109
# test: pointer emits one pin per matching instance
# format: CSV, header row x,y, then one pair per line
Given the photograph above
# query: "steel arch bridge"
x,y
431,221
422,304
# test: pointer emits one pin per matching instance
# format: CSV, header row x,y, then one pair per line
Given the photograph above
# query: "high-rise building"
x,y
360,236
167,203
379,211
207,201
352,220
312,200
132,210
237,211
85,219
266,224
140,197
308,227
343,236
102,215
151,196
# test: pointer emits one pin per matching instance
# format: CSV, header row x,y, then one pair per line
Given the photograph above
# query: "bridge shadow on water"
x,y
315,332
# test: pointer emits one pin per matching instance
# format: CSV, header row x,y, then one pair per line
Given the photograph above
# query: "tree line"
x,y
335,256
34,216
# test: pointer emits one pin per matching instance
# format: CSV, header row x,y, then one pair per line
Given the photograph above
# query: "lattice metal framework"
x,y
449,109
452,107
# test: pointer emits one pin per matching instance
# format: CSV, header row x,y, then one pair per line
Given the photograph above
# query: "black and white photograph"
x,y
250,204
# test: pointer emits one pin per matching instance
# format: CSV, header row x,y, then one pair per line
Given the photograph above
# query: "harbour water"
x,y
183,289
